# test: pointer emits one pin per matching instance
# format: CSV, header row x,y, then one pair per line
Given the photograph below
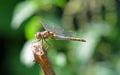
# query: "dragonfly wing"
x,y
46,26
57,29
54,28
69,33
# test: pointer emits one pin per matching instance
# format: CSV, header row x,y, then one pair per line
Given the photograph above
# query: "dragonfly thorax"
x,y
42,35
45,34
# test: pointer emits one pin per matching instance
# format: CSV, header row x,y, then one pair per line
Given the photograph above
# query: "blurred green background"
x,y
97,21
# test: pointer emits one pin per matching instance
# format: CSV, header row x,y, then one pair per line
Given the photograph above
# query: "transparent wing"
x,y
57,29
69,33
46,26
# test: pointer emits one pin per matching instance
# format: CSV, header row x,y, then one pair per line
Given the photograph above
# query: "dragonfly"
x,y
54,32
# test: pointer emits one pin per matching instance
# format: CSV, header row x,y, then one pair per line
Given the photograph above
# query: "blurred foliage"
x,y
97,21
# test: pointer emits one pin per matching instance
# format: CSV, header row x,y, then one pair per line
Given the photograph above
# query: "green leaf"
x,y
32,27
22,12
60,3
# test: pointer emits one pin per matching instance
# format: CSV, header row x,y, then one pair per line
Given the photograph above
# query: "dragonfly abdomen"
x,y
70,38
76,39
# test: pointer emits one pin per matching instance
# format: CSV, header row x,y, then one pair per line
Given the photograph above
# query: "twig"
x,y
41,57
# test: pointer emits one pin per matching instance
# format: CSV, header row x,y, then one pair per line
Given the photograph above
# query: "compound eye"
x,y
38,35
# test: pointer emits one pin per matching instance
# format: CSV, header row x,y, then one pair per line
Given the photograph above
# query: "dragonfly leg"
x,y
44,43
47,44
37,40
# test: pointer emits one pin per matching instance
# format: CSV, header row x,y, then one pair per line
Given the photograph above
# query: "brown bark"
x,y
41,58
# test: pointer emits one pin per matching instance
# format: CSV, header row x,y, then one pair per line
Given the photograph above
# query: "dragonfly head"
x,y
38,35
